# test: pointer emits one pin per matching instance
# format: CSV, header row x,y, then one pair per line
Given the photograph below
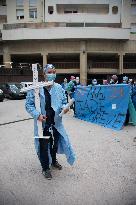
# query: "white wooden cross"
x,y
36,87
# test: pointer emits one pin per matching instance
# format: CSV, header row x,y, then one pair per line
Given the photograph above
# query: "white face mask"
x,y
124,82
111,81
94,83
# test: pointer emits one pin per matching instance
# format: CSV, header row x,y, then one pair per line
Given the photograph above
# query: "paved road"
x,y
104,173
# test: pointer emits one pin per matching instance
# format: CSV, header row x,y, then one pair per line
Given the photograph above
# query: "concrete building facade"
x,y
81,37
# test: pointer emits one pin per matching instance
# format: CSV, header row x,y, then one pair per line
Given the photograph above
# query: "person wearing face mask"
x,y
131,82
71,87
64,86
114,79
56,140
77,81
125,80
94,82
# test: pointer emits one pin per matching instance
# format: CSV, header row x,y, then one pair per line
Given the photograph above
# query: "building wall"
x,y
66,33
60,46
100,37
128,16
82,16
11,12
55,46
124,14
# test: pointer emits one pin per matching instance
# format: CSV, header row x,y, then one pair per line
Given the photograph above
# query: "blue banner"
x,y
105,105
134,96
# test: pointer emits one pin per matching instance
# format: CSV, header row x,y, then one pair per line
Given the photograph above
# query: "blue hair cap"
x,y
48,67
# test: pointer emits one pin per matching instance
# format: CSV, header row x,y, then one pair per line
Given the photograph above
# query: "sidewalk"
x,y
104,173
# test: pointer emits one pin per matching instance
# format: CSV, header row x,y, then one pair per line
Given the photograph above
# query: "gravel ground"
x,y
103,174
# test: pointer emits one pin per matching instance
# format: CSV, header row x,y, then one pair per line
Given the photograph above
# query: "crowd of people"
x,y
125,80
70,87
114,80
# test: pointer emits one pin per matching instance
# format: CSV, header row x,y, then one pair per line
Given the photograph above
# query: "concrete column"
x,y
120,63
7,58
45,58
83,63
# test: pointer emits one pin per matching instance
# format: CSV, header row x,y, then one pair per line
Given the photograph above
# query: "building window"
x,y
133,27
114,9
50,9
2,2
32,3
70,11
20,14
33,13
19,2
133,9
67,12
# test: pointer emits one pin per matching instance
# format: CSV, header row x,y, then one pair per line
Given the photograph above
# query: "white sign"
x,y
113,106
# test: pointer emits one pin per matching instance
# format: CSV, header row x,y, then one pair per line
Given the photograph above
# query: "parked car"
x,y
26,84
1,96
12,90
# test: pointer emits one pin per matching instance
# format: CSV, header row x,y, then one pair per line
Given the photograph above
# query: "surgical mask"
x,y
51,77
124,82
94,83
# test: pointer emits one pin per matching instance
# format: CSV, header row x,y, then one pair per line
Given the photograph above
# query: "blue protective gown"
x,y
58,101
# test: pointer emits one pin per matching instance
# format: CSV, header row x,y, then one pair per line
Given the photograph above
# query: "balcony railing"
x,y
99,66
32,25
129,65
17,71
66,65
104,65
57,24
